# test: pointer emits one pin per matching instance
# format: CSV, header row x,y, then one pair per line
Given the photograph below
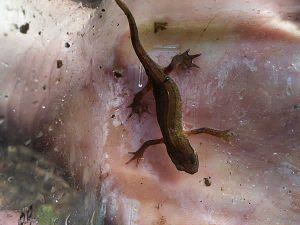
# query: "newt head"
x,y
184,156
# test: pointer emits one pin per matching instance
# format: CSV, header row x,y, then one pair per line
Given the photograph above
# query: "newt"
x,y
168,105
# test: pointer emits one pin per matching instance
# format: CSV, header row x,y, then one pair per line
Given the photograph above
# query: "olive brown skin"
x,y
168,105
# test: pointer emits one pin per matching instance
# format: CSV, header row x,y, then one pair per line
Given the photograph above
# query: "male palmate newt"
x,y
168,105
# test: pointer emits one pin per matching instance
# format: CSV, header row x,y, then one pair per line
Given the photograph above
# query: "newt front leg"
x,y
183,61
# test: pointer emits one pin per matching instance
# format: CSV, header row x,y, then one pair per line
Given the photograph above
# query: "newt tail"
x,y
153,70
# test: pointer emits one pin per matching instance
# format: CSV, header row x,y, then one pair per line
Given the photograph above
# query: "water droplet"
x,y
10,179
289,86
2,119
4,64
50,128
39,135
167,47
141,76
27,142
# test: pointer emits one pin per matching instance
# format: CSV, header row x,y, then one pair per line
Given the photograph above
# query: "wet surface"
x,y
70,101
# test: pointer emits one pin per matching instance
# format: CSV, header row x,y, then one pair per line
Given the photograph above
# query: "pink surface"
x,y
248,81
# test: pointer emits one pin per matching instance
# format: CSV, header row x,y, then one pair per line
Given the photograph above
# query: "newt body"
x,y
168,105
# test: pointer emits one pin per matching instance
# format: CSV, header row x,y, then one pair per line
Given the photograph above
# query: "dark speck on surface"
x,y
67,45
24,28
117,74
160,26
59,64
207,181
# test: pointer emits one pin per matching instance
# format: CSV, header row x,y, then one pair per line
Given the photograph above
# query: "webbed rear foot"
x,y
138,108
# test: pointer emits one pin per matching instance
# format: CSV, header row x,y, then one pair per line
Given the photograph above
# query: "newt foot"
x,y
227,135
138,108
184,60
138,156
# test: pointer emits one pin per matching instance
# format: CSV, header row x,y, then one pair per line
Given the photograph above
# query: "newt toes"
x,y
138,108
183,61
228,136
138,156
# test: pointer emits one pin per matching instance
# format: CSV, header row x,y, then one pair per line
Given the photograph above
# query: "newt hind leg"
x,y
137,106
138,155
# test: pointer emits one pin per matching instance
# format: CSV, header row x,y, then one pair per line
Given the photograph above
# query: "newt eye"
x,y
166,79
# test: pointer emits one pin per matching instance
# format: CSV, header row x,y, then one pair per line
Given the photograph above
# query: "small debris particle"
x,y
100,16
162,221
100,67
59,63
160,26
103,10
67,45
24,28
297,106
207,181
157,207
118,24
44,87
117,74
113,116
40,32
